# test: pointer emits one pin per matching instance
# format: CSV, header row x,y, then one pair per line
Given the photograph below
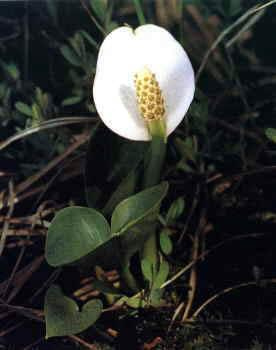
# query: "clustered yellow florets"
x,y
149,95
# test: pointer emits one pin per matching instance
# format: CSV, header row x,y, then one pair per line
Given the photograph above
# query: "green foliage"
x,y
175,211
225,133
100,8
271,134
74,233
77,232
165,242
138,208
63,316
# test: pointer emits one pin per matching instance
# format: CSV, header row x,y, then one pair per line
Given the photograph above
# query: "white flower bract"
x,y
124,53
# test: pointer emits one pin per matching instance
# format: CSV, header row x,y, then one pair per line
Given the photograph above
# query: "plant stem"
x,y
153,167
128,277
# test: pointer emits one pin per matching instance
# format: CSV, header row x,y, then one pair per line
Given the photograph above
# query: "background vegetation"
x,y
220,212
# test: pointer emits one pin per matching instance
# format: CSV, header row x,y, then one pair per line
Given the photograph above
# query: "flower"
x,y
142,75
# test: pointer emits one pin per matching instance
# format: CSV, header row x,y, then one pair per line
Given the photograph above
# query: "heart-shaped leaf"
x,y
63,316
138,208
74,233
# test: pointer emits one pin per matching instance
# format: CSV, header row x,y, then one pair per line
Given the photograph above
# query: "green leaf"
x,y
99,7
77,44
186,148
74,233
136,209
69,101
165,242
24,108
13,71
135,302
175,210
155,298
89,38
147,269
161,275
271,134
70,56
37,114
63,316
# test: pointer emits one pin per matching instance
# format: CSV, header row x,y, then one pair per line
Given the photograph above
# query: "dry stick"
x,y
207,252
27,220
230,321
34,266
20,256
219,179
227,290
32,179
12,328
46,125
24,185
190,215
229,29
236,130
20,274
37,315
255,18
39,189
177,312
9,214
55,176
31,346
193,275
192,263
84,343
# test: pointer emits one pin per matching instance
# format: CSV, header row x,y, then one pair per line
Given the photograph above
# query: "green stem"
x,y
129,278
154,162
153,167
139,12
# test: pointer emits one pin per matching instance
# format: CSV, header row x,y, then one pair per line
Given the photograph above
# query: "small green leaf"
x,y
161,275
271,134
63,316
165,242
69,101
89,38
99,7
137,208
37,114
186,148
175,210
135,302
24,108
77,44
147,269
70,56
74,233
13,71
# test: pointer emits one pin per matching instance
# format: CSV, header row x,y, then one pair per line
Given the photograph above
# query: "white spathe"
x,y
125,52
